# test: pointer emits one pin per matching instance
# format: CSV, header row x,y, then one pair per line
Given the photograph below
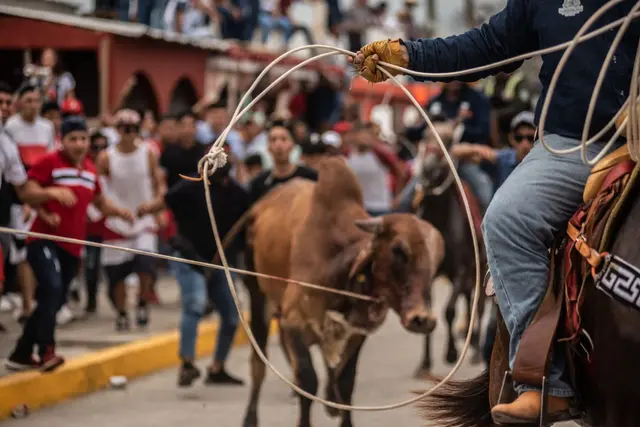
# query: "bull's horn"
x,y
371,225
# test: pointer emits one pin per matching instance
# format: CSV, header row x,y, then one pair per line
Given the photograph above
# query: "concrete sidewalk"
x,y
95,351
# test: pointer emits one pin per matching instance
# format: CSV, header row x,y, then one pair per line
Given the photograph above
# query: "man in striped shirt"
x,y
55,263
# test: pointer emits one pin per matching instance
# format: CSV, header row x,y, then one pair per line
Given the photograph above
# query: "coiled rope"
x,y
216,158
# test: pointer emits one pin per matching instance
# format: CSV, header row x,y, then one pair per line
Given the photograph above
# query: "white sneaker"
x,y
5,304
15,299
65,316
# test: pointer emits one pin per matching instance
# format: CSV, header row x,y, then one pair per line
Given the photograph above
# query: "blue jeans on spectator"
x,y
145,7
230,27
480,182
525,215
405,198
157,14
193,291
54,268
268,23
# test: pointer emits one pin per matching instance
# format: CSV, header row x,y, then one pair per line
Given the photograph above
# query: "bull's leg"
x,y
260,330
306,376
285,346
450,315
424,369
347,382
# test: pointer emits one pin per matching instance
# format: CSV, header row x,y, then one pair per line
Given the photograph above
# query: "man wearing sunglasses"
x,y
521,138
133,179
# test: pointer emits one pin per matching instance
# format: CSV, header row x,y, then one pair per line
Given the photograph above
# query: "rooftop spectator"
x,y
60,85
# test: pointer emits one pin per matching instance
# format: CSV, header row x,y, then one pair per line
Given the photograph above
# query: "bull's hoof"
x,y
331,397
452,355
331,412
423,374
251,419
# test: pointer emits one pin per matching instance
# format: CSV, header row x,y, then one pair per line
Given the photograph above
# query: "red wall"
x,y
164,65
22,33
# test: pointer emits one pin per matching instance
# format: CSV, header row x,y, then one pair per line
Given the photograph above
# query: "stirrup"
x,y
544,398
506,379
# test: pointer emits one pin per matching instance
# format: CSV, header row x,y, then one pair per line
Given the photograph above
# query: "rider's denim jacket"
x,y
527,25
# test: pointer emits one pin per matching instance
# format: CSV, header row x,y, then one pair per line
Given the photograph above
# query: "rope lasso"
x,y
207,168
55,238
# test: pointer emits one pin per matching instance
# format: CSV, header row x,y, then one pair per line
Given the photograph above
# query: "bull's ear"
x,y
434,243
362,260
371,225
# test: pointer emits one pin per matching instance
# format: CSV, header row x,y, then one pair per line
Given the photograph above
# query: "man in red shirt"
x,y
55,263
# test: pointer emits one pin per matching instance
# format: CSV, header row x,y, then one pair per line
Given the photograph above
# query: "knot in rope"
x,y
214,159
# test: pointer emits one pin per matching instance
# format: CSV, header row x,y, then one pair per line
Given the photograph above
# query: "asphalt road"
x,y
385,375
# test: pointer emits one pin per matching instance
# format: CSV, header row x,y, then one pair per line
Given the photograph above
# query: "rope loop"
x,y
215,159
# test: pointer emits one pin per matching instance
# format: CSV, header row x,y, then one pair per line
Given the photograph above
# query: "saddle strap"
x,y
534,353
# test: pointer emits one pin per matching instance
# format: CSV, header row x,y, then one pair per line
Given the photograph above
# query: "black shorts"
x,y
140,264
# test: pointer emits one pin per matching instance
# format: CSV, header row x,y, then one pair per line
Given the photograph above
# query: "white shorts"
x,y
18,248
143,242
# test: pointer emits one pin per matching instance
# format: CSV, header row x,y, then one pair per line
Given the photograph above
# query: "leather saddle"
x,y
572,259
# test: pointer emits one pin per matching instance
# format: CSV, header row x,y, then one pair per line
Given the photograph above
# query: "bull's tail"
x,y
239,225
459,404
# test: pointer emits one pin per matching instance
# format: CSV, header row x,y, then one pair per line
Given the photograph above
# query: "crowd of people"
x,y
240,19
122,183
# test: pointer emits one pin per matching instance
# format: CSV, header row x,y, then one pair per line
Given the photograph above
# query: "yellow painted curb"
x,y
91,372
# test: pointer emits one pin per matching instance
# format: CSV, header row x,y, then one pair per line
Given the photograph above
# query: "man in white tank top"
x,y
132,178
34,137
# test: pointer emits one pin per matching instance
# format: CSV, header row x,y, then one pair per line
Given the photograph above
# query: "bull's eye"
x,y
400,253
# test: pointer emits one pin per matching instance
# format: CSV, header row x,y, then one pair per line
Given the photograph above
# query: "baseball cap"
x,y
331,138
72,107
523,118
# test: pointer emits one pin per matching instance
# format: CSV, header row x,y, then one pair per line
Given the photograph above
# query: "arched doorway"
x,y
183,96
141,96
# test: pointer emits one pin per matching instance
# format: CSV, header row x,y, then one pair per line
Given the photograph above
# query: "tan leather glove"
x,y
624,115
390,51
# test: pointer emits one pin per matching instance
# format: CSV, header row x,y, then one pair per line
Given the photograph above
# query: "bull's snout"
x,y
420,323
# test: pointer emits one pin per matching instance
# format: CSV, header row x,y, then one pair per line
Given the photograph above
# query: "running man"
x,y
71,177
134,180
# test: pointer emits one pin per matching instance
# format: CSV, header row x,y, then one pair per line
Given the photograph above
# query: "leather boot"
x,y
526,410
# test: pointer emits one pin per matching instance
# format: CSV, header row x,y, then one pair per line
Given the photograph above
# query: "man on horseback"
x,y
542,193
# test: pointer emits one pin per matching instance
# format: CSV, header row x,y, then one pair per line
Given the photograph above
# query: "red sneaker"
x,y
50,361
17,363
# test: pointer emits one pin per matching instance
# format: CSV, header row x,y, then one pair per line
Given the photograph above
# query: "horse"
x,y
439,203
599,317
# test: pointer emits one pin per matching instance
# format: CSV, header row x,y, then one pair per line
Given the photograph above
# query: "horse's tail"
x,y
459,404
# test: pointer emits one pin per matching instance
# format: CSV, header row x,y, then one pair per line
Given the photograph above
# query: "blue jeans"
x,y
145,7
405,199
526,213
480,182
193,292
268,23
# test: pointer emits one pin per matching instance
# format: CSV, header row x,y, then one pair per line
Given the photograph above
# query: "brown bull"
x,y
321,233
